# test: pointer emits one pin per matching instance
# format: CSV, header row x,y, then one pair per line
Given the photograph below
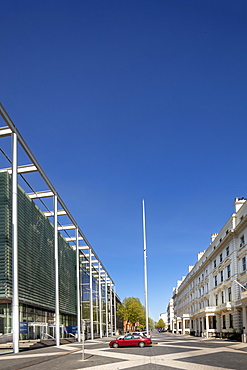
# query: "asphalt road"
x,y
169,351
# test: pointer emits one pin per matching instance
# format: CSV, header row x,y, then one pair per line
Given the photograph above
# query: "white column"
x,y
202,321
207,326
244,320
78,287
218,323
106,308
56,273
115,311
111,309
15,300
100,305
91,292
183,325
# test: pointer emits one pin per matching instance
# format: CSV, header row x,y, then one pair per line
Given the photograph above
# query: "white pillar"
x,y
203,328
15,300
218,323
91,292
56,273
244,319
106,308
115,311
207,326
100,305
78,287
183,325
111,323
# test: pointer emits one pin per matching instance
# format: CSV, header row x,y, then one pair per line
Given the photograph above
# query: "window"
x,y
229,294
221,276
227,251
244,263
224,321
222,297
228,271
216,300
230,320
215,281
242,241
221,257
214,263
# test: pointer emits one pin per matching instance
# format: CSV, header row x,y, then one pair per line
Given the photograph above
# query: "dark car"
x,y
130,340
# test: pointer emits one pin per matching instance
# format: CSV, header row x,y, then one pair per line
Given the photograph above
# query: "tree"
x,y
160,324
132,310
150,323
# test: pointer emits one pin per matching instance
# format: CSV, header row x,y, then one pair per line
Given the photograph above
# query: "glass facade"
x,y
84,289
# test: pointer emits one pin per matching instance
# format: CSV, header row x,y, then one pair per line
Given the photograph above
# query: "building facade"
x,y
52,283
212,299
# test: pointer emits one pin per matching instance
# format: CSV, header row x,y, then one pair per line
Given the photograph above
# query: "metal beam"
x,y
73,238
51,213
27,168
66,227
41,194
5,131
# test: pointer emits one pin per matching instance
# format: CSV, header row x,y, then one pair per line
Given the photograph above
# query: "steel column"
x,y
91,292
111,310
100,305
56,273
15,300
106,309
78,287
115,311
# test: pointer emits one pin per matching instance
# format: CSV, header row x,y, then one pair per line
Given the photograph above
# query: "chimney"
x,y
238,203
213,236
191,267
200,254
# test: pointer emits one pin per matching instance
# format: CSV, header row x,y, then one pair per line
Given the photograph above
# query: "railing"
x,y
48,336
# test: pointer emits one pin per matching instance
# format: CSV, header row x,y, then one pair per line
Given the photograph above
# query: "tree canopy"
x,y
160,324
132,310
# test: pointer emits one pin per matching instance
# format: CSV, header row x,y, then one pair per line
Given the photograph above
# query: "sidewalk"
x,y
64,357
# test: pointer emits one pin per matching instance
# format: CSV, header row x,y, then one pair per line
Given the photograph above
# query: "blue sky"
x,y
128,100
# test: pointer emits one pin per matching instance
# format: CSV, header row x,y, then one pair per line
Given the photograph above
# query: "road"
x,y
168,352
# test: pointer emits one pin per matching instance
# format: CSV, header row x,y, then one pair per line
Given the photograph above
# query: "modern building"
x,y
212,299
52,282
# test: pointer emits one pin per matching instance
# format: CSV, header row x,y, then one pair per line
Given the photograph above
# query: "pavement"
x,y
169,351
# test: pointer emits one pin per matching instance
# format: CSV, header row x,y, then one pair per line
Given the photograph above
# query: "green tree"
x,y
150,323
132,310
160,324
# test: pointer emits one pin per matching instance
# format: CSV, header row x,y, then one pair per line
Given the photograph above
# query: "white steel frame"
x,y
11,130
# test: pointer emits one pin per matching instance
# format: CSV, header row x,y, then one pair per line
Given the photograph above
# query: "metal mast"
x,y
145,264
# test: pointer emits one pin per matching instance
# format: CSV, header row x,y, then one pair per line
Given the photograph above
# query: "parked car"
x,y
130,340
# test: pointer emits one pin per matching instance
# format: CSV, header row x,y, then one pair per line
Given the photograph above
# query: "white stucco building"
x,y
212,299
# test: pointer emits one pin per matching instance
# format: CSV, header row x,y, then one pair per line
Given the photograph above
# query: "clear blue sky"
x,y
128,100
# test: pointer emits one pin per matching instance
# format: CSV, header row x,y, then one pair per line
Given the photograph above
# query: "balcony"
x,y
244,296
225,306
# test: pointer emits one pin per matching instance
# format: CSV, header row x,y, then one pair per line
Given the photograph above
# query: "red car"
x,y
130,340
